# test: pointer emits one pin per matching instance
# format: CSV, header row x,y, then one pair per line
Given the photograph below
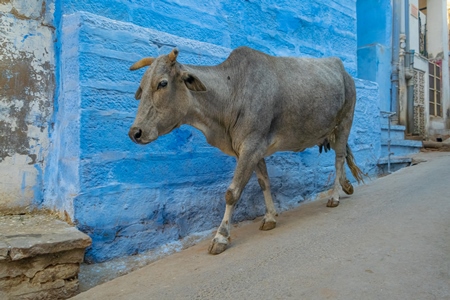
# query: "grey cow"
x,y
251,106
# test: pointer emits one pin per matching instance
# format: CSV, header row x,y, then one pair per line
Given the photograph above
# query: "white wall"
x,y
437,46
414,27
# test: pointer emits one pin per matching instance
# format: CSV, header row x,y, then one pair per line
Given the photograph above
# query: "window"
x,y
435,89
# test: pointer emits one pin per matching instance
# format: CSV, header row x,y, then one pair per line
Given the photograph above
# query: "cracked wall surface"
x,y
27,86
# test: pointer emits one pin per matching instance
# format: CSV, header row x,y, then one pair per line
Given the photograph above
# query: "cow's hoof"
x,y
332,203
217,247
267,225
347,187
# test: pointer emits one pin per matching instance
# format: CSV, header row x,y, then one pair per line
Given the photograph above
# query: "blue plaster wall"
x,y
374,64
374,31
309,28
131,198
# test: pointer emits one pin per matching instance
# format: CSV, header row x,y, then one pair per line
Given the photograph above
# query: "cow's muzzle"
x,y
135,134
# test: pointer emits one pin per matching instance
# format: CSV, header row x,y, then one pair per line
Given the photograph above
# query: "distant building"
x,y
408,58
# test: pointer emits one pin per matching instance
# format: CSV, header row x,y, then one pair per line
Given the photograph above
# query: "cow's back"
x,y
295,102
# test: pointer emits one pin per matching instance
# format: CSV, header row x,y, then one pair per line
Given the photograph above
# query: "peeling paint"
x,y
24,10
23,102
5,5
27,84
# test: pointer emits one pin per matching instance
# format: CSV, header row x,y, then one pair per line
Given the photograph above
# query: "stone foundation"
x,y
39,257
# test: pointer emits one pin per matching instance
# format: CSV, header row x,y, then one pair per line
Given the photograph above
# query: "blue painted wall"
x,y
374,31
309,28
131,198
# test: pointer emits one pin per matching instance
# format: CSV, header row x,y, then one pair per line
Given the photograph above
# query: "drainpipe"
x,y
410,93
396,9
409,73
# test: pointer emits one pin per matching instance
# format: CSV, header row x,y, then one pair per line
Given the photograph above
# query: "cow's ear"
x,y
138,94
193,83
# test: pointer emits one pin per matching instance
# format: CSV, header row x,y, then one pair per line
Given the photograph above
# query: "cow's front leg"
x,y
222,237
246,164
268,221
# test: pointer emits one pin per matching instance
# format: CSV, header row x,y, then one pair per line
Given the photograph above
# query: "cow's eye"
x,y
162,84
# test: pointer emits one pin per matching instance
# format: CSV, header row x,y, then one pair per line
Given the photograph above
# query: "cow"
x,y
251,106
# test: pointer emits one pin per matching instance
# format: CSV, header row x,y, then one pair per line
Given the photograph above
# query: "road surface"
x,y
389,240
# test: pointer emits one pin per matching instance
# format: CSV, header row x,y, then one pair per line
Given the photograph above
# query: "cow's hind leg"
x,y
247,162
338,141
343,153
268,221
339,163
347,187
341,177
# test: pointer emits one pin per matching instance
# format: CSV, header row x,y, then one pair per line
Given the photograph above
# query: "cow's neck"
x,y
211,110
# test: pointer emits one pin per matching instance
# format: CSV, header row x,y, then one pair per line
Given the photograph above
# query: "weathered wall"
x,y
26,100
131,198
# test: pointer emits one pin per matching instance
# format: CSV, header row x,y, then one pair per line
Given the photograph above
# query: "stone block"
x,y
30,235
52,273
69,289
31,265
3,250
40,257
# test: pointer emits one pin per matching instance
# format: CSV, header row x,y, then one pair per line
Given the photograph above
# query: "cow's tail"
x,y
356,172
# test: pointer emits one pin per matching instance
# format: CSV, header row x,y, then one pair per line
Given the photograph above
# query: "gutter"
x,y
409,74
395,54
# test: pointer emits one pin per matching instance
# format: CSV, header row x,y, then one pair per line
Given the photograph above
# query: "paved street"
x,y
390,240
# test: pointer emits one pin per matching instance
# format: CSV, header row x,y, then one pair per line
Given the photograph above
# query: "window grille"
x,y
435,89
419,101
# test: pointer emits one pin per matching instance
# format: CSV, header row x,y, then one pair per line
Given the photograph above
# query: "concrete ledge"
x,y
40,257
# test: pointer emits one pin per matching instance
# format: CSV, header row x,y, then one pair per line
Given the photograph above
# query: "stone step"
x,y
400,147
40,257
397,132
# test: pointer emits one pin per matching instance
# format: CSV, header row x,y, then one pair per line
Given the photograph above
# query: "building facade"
x,y
408,40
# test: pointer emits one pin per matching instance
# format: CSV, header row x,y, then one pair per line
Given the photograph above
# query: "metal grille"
x,y
419,102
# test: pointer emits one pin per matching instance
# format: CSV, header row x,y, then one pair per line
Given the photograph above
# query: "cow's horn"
x,y
173,55
147,61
